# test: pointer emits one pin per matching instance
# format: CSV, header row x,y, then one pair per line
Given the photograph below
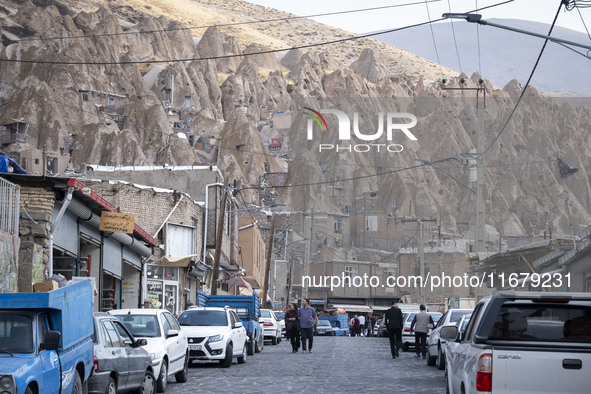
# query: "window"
x,y
112,337
371,223
351,271
85,97
123,332
41,328
338,226
172,321
111,101
347,209
165,324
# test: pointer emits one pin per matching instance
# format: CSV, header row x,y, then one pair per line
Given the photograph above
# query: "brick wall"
x,y
36,210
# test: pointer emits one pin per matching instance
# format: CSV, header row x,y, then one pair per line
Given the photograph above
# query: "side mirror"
x,y
172,333
141,342
449,333
238,324
51,341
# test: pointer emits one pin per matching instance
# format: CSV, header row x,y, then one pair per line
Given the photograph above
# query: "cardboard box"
x,y
44,287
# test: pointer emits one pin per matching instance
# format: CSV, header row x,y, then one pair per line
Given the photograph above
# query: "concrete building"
x,y
252,251
59,231
175,221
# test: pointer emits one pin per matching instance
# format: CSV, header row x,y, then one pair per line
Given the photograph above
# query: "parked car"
x,y
120,362
271,328
518,342
435,348
166,342
324,328
214,334
450,346
408,339
280,316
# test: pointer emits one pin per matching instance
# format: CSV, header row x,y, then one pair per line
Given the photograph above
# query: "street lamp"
x,y
477,18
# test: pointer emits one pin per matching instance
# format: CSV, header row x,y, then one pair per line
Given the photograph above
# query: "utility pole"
x,y
477,159
421,249
268,260
218,246
480,174
308,253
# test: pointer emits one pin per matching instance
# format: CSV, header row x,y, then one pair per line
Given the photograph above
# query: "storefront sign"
x,y
117,222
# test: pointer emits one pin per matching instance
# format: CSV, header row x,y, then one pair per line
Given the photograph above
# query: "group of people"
x,y
299,323
419,325
360,325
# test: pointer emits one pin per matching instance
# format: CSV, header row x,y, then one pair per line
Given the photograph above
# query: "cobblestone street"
x,y
337,364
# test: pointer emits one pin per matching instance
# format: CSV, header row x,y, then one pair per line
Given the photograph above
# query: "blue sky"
x,y
362,22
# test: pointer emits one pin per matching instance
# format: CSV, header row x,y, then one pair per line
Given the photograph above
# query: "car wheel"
x,y
227,361
250,347
440,360
148,384
260,344
162,383
430,359
333,334
77,388
274,341
111,387
242,358
405,347
183,375
29,390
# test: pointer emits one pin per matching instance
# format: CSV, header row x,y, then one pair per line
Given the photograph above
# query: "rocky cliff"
x,y
152,82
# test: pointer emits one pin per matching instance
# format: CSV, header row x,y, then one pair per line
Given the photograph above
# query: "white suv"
x,y
214,334
167,343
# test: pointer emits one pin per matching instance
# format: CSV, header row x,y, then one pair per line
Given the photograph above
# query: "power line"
x,y
526,84
584,24
433,36
225,24
305,46
478,44
453,31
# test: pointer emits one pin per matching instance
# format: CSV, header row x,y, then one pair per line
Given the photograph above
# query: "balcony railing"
x,y
9,206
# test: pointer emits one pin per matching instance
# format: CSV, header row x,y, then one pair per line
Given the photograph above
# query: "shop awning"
x,y
380,308
353,308
175,261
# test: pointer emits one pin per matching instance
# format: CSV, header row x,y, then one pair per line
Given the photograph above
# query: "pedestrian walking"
x,y
292,327
361,325
394,325
307,317
372,322
420,325
354,326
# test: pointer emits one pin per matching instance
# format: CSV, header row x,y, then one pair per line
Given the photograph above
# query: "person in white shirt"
x,y
362,324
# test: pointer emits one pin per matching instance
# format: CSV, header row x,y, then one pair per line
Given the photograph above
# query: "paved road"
x,y
338,364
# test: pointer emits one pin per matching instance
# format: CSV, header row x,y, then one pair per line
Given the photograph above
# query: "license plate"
x,y
194,347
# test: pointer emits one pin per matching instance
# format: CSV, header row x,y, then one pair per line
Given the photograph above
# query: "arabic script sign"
x,y
117,222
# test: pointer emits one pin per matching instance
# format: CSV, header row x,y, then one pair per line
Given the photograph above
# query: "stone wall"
x,y
36,210
9,245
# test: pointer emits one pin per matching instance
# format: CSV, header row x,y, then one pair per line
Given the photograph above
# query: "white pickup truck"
x,y
523,342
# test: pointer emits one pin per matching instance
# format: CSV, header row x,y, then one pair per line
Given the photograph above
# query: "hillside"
x,y
140,89
504,55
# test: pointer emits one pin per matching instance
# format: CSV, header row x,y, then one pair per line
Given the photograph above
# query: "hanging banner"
x,y
117,222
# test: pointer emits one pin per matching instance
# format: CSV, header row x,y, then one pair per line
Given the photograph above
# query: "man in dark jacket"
x,y
393,321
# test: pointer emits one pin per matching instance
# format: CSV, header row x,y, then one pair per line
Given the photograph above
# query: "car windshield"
x,y
457,315
325,323
141,326
16,333
203,318
265,313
